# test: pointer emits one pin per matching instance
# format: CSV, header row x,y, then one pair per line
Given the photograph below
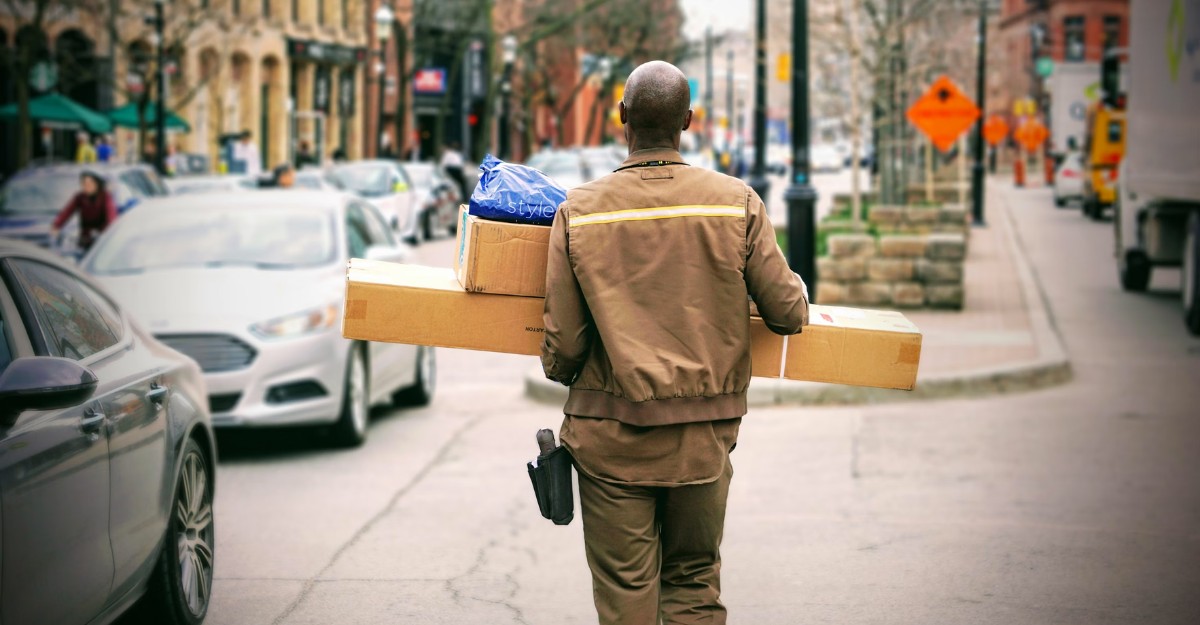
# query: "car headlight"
x,y
301,323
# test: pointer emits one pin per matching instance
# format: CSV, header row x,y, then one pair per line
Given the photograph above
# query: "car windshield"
x,y
267,238
365,180
38,194
205,185
421,174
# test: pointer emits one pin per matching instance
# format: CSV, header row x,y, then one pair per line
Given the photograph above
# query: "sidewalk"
x,y
1002,341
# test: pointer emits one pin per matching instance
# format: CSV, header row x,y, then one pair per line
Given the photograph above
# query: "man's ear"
x,y
622,112
687,119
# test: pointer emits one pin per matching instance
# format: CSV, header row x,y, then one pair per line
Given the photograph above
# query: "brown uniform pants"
x,y
655,551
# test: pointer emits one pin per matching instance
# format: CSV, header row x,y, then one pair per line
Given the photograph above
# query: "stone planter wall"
x,y
915,261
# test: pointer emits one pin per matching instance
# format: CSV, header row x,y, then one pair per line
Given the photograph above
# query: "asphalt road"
x,y
1078,504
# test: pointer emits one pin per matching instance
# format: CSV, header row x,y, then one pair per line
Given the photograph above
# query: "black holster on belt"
x,y
552,485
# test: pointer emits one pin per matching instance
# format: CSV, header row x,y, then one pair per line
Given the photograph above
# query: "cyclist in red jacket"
x,y
95,207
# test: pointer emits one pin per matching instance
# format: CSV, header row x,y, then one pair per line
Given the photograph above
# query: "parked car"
x,y
107,459
566,167
32,198
385,184
1068,179
251,285
825,158
315,179
438,198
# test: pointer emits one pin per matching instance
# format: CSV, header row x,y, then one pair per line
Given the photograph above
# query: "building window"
x,y
295,10
237,7
1112,31
321,12
345,16
266,8
1074,40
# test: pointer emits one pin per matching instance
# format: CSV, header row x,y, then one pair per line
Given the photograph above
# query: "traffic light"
x,y
1110,80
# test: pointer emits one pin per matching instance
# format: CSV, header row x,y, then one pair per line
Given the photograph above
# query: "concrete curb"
x,y
1052,366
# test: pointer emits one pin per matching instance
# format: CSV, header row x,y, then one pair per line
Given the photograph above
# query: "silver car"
x,y
107,456
251,286
386,185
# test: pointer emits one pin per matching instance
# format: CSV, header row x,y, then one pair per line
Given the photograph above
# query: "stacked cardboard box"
x,y
493,301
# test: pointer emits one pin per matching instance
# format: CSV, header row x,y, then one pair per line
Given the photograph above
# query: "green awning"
x,y
56,108
127,117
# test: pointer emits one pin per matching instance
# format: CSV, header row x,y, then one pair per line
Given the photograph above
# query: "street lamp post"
x,y
729,110
160,113
800,196
383,31
980,98
758,178
509,56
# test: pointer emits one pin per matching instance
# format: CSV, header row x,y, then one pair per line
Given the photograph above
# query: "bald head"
x,y
654,108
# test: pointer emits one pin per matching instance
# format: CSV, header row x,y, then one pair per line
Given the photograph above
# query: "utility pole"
x,y
981,100
729,115
758,178
708,88
160,112
800,196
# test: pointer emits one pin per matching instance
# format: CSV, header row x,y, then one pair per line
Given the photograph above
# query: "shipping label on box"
x,y
501,258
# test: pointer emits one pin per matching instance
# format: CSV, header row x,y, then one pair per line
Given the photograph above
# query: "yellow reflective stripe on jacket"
x,y
659,212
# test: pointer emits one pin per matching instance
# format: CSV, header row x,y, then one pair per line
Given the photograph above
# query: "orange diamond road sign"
x,y
1032,134
943,113
995,130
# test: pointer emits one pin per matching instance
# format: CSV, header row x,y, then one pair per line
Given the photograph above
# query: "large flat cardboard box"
x,y
397,303
427,306
501,258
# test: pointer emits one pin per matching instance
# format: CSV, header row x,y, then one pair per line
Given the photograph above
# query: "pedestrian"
x,y
104,149
385,147
305,156
246,153
282,177
84,152
95,207
647,321
452,164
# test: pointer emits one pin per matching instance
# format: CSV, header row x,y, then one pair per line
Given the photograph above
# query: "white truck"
x,y
1073,86
1157,216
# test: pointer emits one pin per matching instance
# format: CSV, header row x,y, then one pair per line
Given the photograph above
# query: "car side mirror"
x,y
400,187
43,383
387,254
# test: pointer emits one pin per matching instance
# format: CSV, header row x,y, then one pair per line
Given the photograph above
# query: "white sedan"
x,y
250,285
386,185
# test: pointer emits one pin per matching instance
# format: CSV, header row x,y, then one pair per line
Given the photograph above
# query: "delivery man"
x,y
647,320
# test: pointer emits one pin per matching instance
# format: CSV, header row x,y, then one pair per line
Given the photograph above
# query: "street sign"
x,y
1032,134
1045,66
943,113
995,130
430,80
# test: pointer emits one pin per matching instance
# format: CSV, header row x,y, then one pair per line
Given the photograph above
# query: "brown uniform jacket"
x,y
647,317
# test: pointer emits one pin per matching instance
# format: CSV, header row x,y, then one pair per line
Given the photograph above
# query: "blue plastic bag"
x,y
515,193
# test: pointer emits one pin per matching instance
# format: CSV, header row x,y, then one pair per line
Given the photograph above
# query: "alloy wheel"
x,y
194,533
357,391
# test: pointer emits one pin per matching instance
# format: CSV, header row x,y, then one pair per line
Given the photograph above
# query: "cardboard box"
x,y
501,258
427,306
397,303
855,346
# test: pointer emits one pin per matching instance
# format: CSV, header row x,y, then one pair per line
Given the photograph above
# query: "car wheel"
x,y
1134,269
181,585
421,392
351,427
427,225
1191,275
